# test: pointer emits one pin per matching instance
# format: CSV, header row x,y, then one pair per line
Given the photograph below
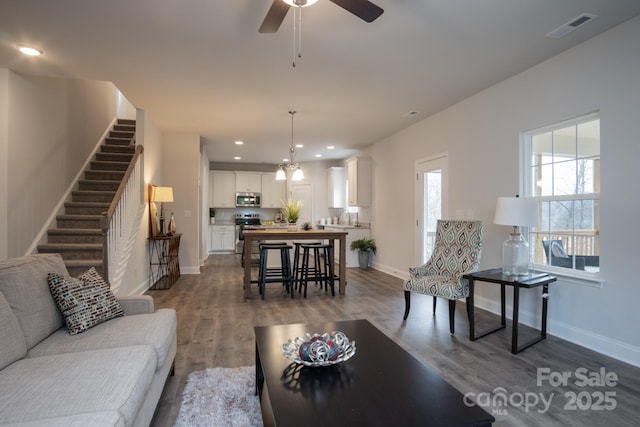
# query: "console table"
x,y
164,263
529,281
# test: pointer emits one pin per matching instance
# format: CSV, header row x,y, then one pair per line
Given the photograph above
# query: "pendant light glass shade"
x,y
281,175
298,175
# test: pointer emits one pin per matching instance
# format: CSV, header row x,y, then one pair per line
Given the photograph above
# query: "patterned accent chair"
x,y
456,252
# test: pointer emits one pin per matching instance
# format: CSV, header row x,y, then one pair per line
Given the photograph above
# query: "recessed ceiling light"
x,y
239,142
285,160
31,51
299,145
330,147
318,155
237,158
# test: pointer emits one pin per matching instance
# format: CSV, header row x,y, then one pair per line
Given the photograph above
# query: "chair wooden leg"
x,y
452,314
407,304
435,300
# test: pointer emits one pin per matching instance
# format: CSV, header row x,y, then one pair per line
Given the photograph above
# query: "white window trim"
x,y
594,280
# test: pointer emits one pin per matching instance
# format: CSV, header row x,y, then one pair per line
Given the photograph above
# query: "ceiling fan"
x,y
363,9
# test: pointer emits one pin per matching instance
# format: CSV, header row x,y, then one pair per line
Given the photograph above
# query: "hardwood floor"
x,y
215,328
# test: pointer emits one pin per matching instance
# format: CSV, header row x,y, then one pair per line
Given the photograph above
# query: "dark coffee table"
x,y
381,385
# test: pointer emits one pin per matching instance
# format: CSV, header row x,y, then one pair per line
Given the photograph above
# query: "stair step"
x,y
121,134
103,175
74,235
117,141
86,208
92,196
95,185
124,127
127,122
112,148
73,250
79,221
114,157
109,166
76,267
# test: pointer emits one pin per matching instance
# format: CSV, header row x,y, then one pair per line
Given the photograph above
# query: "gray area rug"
x,y
220,397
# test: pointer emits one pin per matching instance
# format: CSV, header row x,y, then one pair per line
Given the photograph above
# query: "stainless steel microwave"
x,y
244,200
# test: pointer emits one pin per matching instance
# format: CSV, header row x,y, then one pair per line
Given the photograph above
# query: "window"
x,y
562,171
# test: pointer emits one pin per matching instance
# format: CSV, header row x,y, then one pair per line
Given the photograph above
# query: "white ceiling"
x,y
201,66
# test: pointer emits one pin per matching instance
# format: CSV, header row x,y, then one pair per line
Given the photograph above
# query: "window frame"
x,y
593,279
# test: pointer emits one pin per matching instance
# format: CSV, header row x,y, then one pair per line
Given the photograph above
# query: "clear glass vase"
x,y
515,256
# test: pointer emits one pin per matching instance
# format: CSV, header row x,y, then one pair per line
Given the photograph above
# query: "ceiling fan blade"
x,y
275,16
363,9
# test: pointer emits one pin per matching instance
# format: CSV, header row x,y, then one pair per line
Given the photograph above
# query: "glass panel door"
x,y
431,183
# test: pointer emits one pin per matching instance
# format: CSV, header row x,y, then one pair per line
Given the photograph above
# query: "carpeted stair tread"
x,y
122,149
99,165
103,175
66,247
88,231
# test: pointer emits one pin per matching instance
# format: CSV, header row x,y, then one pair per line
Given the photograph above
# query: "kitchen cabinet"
x,y
355,233
272,191
248,182
222,186
223,238
359,177
335,187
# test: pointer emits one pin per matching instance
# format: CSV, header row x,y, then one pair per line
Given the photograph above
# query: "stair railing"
x,y
121,221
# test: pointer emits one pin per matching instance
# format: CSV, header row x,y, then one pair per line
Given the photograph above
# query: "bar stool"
x,y
297,262
275,274
321,272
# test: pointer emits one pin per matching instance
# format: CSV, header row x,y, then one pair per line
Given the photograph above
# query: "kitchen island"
x,y
279,233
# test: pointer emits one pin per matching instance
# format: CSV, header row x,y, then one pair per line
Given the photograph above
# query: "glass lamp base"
x,y
515,256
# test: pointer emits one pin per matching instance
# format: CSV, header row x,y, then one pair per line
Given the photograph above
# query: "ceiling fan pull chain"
x,y
295,38
300,33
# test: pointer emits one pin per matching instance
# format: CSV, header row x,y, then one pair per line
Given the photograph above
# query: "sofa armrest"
x,y
136,304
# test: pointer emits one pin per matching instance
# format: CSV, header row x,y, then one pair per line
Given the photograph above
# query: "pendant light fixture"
x,y
291,166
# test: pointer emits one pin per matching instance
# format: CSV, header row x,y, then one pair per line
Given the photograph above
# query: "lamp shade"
x,y
162,194
516,211
281,175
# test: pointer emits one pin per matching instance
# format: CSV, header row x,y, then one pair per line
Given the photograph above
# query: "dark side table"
x,y
164,261
532,280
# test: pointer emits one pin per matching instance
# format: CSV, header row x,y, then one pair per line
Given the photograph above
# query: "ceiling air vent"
x,y
574,24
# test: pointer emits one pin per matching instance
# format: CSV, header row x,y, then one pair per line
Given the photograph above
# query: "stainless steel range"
x,y
242,220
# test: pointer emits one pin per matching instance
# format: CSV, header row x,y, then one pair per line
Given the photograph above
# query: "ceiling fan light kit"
x,y
363,9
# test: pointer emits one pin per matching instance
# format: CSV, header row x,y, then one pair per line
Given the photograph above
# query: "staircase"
x,y
78,236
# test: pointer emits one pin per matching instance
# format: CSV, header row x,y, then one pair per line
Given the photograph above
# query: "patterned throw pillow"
x,y
84,302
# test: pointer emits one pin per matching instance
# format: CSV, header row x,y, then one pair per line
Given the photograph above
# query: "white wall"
x,y
481,135
181,170
4,163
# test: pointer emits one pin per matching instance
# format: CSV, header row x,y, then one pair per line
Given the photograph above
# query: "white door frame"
x,y
438,161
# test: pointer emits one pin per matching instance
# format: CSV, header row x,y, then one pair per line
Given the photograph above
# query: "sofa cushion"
x,y
157,330
84,302
93,419
69,384
14,346
23,282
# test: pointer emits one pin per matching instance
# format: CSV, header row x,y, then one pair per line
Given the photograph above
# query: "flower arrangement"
x,y
291,210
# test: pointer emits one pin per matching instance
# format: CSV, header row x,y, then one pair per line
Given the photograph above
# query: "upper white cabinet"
x,y
335,187
359,177
223,189
272,191
248,182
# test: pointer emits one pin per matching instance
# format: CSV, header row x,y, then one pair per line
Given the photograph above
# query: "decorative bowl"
x,y
319,350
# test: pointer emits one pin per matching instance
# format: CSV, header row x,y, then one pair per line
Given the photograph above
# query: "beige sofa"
x,y
110,375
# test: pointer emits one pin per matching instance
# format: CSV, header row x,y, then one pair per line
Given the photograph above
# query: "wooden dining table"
x,y
282,234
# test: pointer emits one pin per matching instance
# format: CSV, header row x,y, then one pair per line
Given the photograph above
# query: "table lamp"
x,y
162,195
516,212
